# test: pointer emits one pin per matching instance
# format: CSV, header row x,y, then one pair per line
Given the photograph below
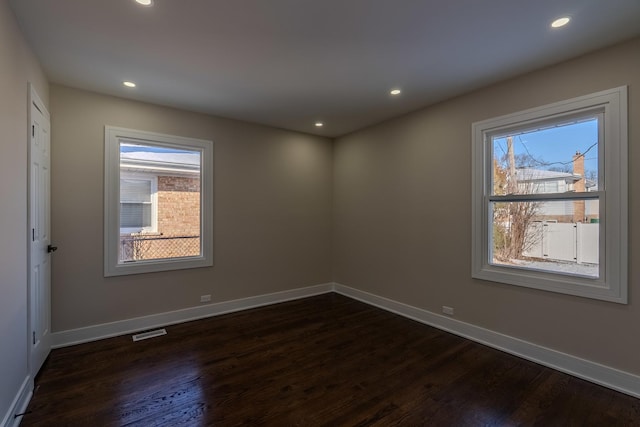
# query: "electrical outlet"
x,y
205,298
447,310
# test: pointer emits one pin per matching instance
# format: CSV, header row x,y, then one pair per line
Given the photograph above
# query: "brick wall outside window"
x,y
178,233
178,206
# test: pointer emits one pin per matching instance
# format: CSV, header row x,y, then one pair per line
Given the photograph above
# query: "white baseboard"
x,y
19,404
594,372
121,327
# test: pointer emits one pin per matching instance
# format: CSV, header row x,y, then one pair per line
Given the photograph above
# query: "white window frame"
x,y
611,285
113,137
154,201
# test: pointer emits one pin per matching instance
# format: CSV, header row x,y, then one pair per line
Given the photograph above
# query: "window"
x,y
138,203
158,202
549,197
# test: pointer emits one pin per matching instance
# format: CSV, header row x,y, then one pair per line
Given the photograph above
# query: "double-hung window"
x,y
549,197
158,202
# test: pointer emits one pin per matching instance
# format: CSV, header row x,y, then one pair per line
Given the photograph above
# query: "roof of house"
x,y
530,174
160,162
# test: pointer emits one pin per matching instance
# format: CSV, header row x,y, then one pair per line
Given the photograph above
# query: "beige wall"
x,y
18,66
402,214
272,221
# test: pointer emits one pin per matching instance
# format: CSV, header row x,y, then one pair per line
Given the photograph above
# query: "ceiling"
x,y
290,63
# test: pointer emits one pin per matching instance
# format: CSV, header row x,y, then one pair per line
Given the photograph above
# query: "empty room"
x,y
341,213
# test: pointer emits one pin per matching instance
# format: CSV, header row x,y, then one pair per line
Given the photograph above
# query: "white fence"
x,y
573,242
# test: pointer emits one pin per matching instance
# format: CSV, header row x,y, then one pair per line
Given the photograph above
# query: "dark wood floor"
x,y
326,360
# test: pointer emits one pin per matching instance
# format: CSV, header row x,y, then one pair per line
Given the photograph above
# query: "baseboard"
x,y
594,372
19,404
108,330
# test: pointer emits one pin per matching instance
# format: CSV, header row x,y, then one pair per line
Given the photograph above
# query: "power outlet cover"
x,y
447,310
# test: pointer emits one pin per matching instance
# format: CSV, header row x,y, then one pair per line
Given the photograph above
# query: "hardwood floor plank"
x,y
326,360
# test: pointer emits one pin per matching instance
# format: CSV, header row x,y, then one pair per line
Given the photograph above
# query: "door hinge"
x,y
33,234
34,337
33,130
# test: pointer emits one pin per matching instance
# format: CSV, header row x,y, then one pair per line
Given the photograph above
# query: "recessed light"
x,y
129,84
395,92
319,124
560,22
145,2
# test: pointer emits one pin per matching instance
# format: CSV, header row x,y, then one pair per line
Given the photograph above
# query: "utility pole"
x,y
512,183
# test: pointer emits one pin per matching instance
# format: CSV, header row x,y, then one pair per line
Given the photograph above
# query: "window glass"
x,y
545,236
176,175
560,157
553,158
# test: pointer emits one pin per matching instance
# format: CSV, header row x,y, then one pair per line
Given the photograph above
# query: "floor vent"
x,y
150,334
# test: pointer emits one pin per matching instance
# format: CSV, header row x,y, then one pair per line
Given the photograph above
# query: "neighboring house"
x,y
562,230
545,181
159,204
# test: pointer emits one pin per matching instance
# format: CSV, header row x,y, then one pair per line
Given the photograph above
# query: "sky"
x,y
555,147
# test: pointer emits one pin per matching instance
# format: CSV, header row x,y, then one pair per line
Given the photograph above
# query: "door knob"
x,y
51,248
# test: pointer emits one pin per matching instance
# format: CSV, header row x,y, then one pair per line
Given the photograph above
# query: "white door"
x,y
39,234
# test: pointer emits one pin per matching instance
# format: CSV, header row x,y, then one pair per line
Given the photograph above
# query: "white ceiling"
x,y
289,63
